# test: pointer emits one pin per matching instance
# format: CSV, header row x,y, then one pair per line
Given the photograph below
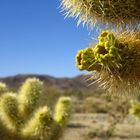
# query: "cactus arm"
x,y
39,127
9,112
3,88
29,96
63,110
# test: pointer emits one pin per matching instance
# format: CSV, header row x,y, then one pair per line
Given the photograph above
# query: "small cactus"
x,y
120,13
22,118
135,108
61,116
62,110
116,61
3,88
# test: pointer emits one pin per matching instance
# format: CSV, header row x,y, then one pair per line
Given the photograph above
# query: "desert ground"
x,y
87,127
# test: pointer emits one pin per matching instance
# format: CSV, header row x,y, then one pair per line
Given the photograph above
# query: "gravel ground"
x,y
81,124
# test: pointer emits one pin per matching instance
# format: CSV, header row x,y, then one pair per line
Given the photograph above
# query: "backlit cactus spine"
x,y
30,93
112,13
115,61
22,118
61,116
115,58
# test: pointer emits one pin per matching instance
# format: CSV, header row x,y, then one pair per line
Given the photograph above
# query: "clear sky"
x,y
35,38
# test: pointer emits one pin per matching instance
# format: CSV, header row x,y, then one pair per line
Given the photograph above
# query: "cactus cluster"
x,y
104,53
121,13
22,118
116,61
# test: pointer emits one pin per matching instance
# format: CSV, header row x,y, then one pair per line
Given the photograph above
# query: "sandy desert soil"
x,y
81,124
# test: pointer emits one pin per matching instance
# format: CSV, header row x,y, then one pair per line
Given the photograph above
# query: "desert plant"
x,y
3,88
121,13
115,59
22,118
116,56
135,108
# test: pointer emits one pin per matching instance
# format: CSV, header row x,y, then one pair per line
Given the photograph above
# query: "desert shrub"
x,y
101,133
95,105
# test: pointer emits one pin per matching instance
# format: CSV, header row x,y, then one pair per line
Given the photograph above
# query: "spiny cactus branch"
x,y
116,61
122,14
21,117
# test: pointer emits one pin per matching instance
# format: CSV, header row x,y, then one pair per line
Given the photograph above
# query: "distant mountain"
x,y
78,83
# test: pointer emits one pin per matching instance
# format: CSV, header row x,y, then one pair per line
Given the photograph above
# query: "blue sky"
x,y
35,38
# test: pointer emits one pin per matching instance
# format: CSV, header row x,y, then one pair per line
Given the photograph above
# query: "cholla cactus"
x,y
121,13
61,116
116,61
9,112
29,95
62,110
135,108
3,88
21,117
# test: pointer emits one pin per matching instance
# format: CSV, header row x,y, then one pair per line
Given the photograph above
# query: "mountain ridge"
x,y
77,83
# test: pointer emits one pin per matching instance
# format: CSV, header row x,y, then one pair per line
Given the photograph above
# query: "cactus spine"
x,y
22,118
29,95
61,116
120,13
115,59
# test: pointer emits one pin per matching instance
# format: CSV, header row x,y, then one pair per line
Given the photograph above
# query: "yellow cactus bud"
x,y
119,58
85,60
